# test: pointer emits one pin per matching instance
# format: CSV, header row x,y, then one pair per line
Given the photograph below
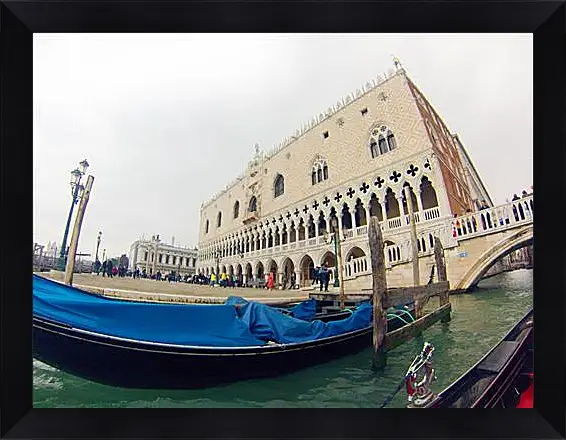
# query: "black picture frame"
x,y
19,420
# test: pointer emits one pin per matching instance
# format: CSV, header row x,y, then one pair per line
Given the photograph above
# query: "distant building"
x,y
154,255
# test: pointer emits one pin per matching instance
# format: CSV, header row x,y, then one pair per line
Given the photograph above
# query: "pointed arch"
x,y
321,224
382,145
375,208
346,217
391,140
236,209
413,199
391,204
360,213
428,194
354,253
252,205
279,185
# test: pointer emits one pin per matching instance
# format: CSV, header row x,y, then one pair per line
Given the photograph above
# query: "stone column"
x,y
298,280
419,202
155,258
339,216
438,183
414,245
135,256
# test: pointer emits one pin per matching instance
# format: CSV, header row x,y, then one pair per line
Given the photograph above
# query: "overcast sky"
x,y
167,120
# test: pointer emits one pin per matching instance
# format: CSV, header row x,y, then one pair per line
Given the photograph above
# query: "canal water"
x,y
479,320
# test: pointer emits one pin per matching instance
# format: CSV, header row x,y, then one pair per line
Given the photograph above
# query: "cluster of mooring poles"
x,y
384,298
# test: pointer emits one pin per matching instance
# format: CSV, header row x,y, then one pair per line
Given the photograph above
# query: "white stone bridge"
x,y
485,237
472,243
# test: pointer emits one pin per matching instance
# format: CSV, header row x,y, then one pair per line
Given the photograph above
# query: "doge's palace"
x,y
346,164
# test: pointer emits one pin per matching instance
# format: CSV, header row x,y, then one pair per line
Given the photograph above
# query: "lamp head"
x,y
75,176
84,166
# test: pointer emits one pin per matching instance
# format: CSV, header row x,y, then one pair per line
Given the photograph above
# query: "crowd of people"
x,y
322,277
108,269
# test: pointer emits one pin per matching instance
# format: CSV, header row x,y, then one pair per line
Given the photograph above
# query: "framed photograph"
x,y
282,220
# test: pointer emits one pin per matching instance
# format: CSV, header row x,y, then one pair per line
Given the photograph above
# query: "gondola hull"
x,y
136,364
499,377
133,364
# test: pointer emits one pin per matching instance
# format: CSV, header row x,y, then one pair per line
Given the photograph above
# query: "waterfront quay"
x,y
153,290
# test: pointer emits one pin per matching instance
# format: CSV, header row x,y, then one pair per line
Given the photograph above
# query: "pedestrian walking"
x,y
270,282
324,276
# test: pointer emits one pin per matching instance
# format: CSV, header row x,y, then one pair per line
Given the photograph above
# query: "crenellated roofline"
x,y
346,101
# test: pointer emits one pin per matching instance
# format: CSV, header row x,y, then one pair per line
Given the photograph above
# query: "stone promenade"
x,y
153,290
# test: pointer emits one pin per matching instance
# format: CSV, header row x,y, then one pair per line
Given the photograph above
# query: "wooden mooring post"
x,y
441,271
384,298
379,288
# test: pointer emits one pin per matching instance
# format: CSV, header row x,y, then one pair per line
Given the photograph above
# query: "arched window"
x,y
319,170
373,148
428,194
382,145
236,209
219,220
206,230
253,204
382,140
391,140
279,185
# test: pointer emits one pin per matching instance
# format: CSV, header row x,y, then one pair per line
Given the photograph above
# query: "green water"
x,y
479,320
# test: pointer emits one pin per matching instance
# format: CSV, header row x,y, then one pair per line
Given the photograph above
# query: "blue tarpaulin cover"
x,y
249,324
305,310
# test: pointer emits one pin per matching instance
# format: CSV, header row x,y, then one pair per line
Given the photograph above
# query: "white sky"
x,y
167,120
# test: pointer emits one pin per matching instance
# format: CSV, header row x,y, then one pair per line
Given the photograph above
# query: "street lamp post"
x,y
76,174
336,239
217,257
339,267
98,244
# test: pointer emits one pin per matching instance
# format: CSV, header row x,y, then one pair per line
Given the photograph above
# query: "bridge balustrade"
x,y
497,218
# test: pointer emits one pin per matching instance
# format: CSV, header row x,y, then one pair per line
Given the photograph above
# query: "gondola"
x,y
129,344
502,378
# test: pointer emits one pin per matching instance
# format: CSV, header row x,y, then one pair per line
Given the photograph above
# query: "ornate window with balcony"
x,y
252,214
382,140
319,171
253,204
279,185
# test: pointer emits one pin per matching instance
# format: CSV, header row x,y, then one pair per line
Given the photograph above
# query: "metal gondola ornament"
x,y
419,378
